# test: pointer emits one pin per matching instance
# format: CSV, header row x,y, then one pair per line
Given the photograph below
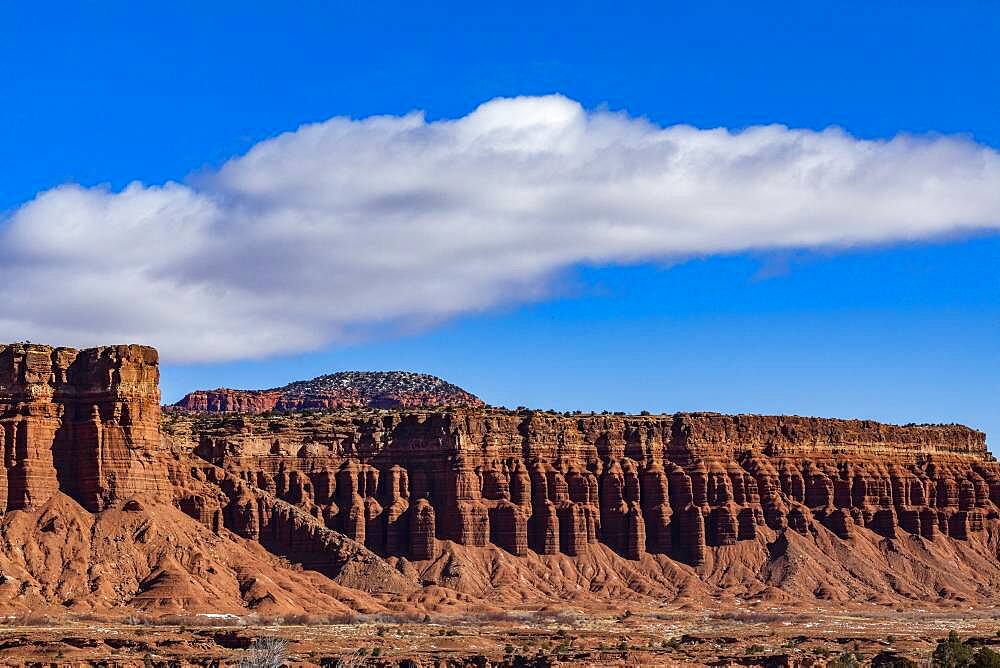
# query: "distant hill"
x,y
345,389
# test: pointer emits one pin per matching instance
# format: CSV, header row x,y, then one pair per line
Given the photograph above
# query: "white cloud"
x,y
349,225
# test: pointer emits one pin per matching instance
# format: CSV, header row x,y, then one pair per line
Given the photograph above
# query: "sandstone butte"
x,y
111,507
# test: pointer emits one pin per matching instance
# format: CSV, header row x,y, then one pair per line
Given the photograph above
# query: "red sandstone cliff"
x,y
347,389
84,423
671,485
106,506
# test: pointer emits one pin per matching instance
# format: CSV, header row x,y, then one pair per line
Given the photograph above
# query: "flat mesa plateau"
x,y
390,518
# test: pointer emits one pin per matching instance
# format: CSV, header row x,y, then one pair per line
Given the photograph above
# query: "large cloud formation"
x,y
347,226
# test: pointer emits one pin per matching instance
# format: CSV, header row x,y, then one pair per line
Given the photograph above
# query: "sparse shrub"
x,y
34,620
891,660
376,651
352,660
265,653
295,620
984,657
749,617
644,413
951,653
755,649
846,660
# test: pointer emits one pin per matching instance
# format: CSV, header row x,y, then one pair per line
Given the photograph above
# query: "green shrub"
x,y
951,653
891,660
985,658
846,660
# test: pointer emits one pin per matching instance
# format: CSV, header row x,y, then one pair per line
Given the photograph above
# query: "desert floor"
x,y
758,635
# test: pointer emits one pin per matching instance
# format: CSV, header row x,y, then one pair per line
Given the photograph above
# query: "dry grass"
x,y
265,653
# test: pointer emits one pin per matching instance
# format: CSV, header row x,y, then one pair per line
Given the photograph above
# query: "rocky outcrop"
x,y
86,423
223,500
675,485
347,389
365,509
224,400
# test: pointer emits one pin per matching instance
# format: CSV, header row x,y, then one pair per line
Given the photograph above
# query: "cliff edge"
x,y
467,507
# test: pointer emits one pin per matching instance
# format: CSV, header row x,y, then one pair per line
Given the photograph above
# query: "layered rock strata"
x,y
220,501
86,423
676,485
375,504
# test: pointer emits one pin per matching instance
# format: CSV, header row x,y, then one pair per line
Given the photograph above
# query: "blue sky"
x,y
905,327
